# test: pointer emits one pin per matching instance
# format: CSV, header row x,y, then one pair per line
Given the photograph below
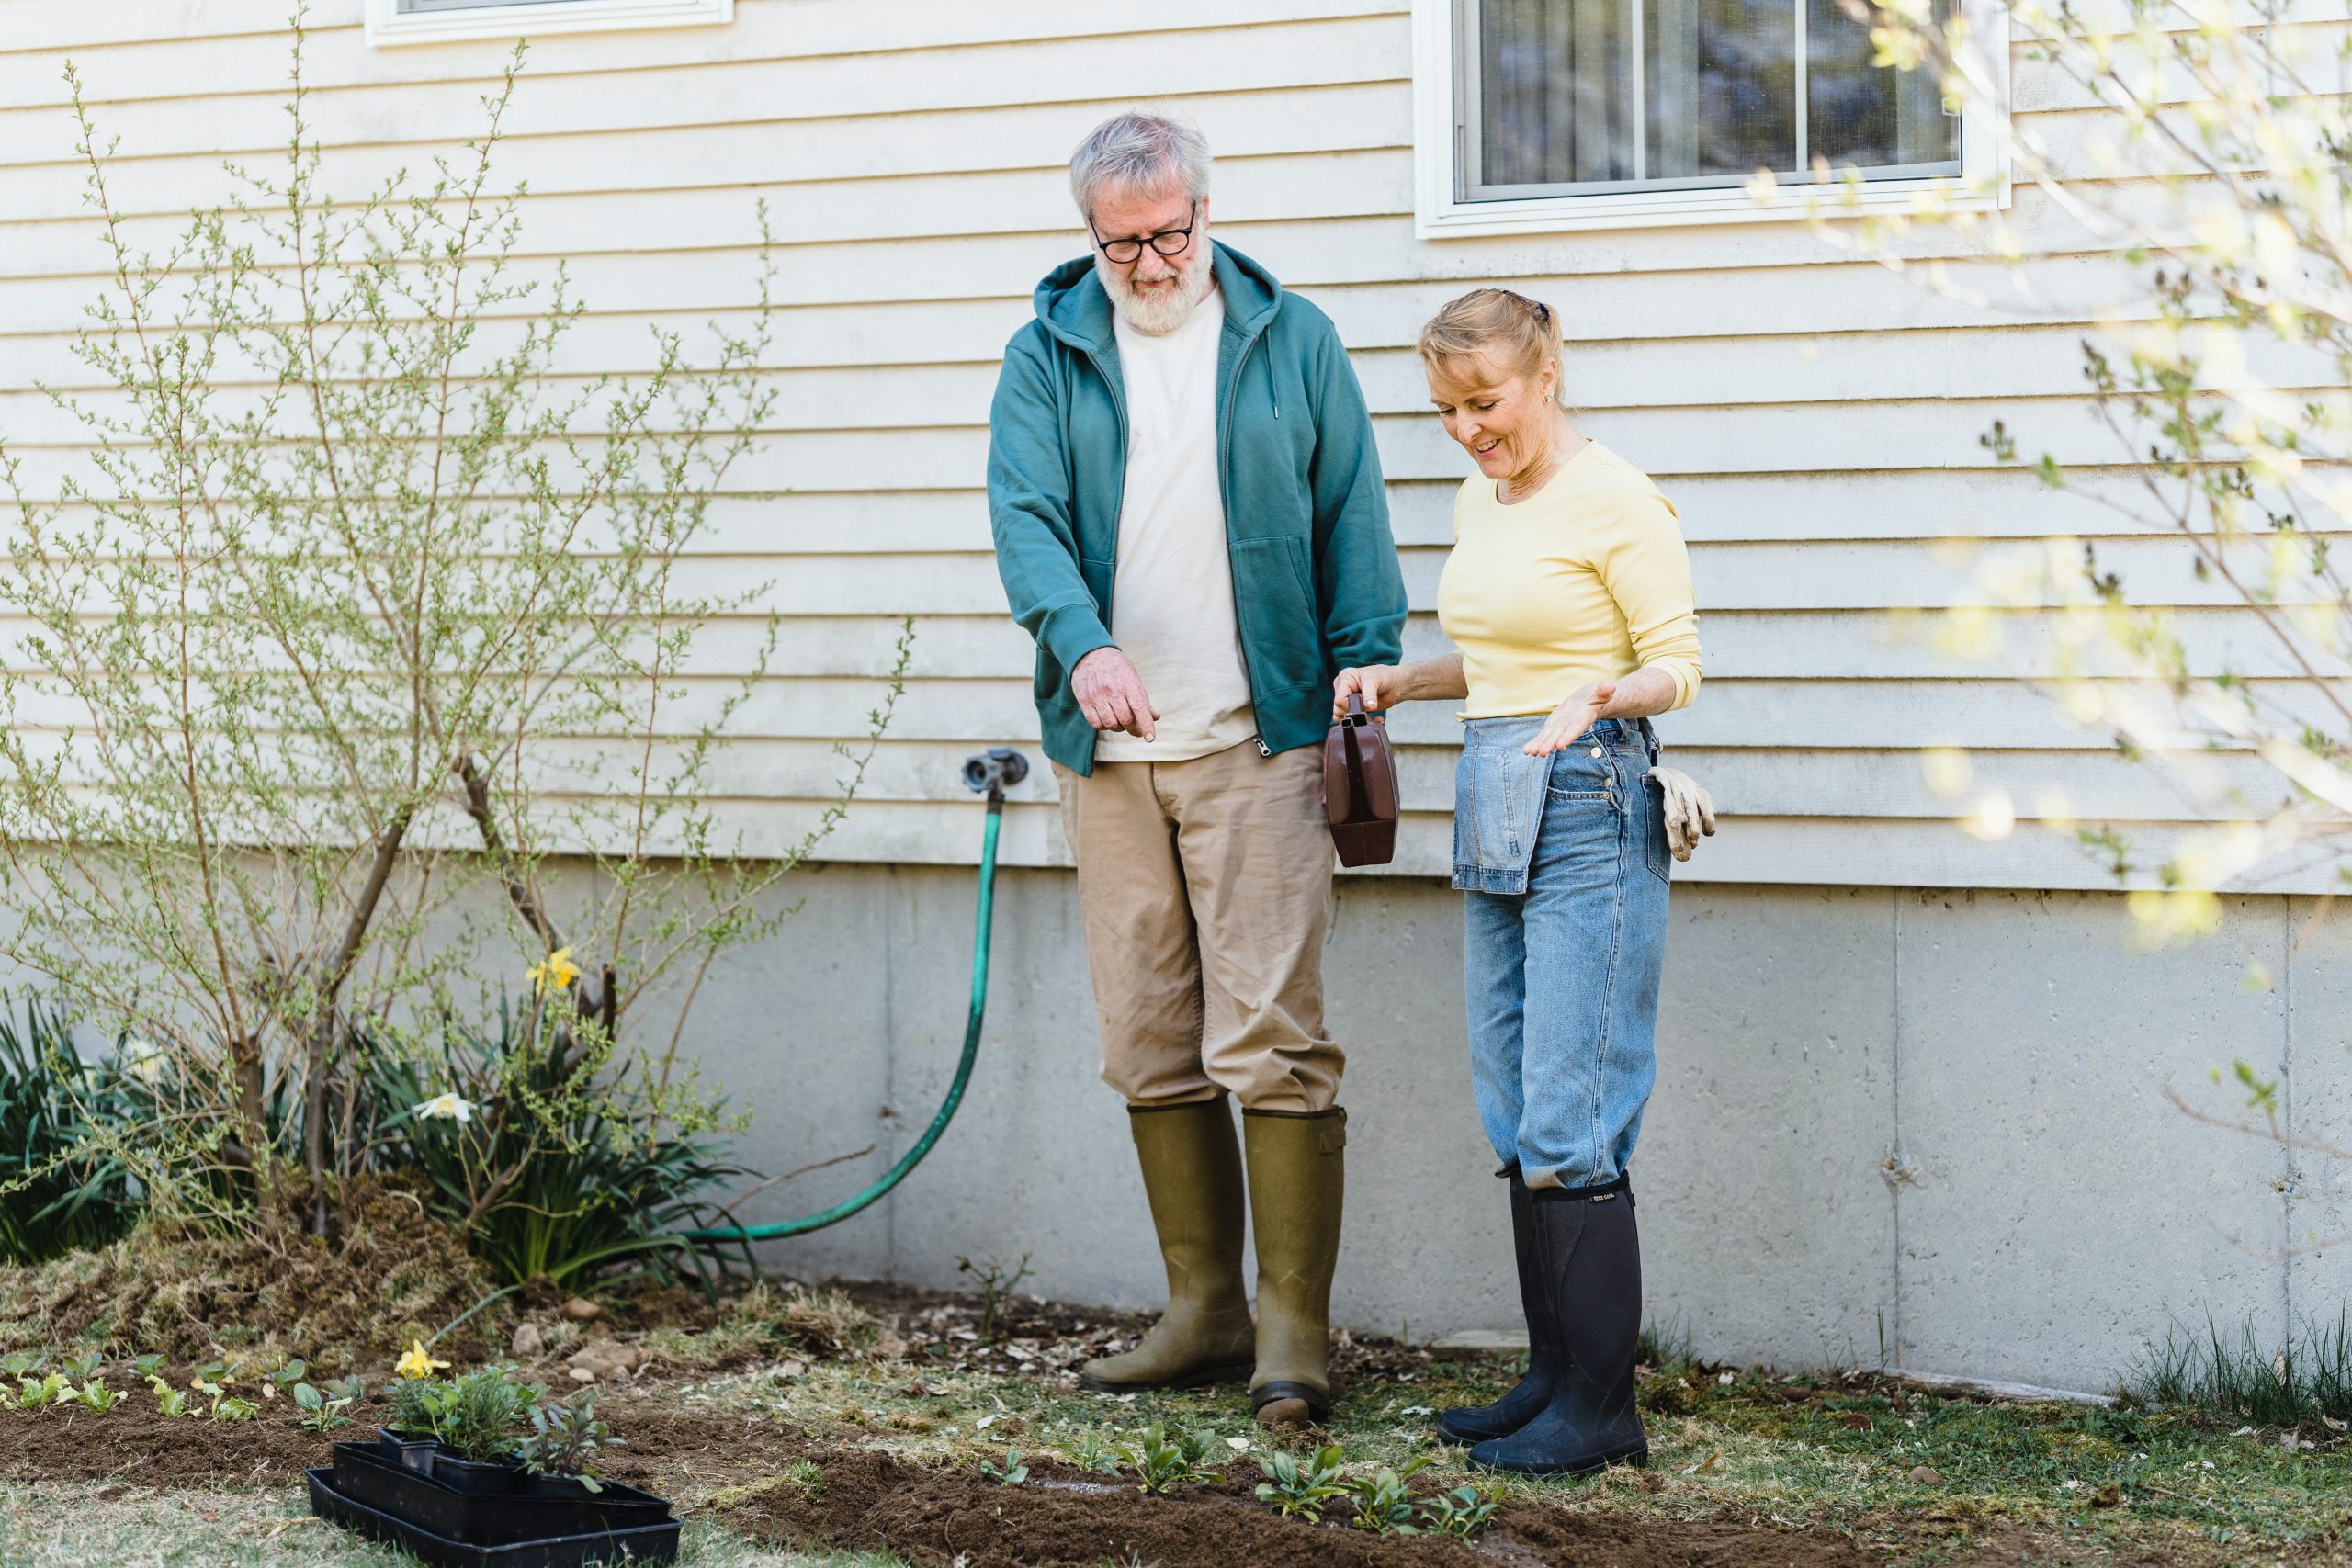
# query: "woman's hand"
x,y
1382,686
1572,718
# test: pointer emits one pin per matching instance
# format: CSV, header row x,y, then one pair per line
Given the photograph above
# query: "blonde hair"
x,y
1515,332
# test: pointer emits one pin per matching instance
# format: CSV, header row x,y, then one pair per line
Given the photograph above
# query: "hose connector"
x,y
995,770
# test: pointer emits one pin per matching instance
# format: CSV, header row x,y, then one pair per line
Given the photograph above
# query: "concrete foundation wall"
x,y
1921,1128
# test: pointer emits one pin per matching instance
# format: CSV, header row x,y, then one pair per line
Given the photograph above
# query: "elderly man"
x,y
1189,520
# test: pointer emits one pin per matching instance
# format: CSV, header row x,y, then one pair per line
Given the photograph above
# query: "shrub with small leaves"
x,y
1461,1513
1298,1489
1163,1461
1384,1503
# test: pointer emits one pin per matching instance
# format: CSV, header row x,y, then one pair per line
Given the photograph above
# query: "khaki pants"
x,y
1205,888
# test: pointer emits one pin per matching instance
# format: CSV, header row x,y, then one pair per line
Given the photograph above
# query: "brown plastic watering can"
x,y
1360,787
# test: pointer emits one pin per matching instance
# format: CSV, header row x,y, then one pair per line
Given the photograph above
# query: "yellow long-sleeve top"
x,y
1585,581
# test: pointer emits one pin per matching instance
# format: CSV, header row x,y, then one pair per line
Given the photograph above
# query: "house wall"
x,y
1889,1116
1817,418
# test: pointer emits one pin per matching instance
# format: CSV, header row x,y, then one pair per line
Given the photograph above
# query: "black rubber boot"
x,y
1588,1267
1468,1424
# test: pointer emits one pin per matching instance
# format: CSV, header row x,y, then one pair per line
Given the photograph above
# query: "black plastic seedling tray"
x,y
483,1504
644,1543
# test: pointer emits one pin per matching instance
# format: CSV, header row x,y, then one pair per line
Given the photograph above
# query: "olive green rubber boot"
x,y
1191,1173
1297,1177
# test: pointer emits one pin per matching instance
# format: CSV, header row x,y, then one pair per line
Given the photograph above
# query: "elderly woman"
x,y
1568,596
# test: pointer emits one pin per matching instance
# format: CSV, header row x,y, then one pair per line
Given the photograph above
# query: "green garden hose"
x,y
991,771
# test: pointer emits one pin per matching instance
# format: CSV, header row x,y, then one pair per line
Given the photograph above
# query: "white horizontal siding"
x,y
1816,420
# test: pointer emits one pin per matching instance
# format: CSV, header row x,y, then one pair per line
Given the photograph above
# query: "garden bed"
x,y
815,1431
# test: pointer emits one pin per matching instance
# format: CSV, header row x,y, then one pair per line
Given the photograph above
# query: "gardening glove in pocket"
x,y
1689,810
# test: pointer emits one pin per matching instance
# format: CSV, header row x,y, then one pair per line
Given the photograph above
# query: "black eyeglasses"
x,y
1168,241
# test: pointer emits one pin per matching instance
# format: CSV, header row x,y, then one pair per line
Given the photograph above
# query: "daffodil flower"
x,y
143,1061
417,1364
554,972
451,1106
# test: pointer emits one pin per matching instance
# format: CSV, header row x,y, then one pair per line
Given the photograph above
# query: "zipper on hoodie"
x,y
1224,470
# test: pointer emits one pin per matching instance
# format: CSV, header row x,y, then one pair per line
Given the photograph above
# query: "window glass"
x,y
1640,93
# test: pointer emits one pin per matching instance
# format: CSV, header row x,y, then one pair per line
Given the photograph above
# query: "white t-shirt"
x,y
1171,603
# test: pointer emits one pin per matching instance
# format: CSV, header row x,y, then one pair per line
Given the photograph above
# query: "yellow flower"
x,y
417,1364
554,972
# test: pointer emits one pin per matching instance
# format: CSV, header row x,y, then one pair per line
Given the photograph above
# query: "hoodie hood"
x,y
1074,306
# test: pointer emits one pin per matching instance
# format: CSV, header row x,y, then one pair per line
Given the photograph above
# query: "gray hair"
x,y
1139,152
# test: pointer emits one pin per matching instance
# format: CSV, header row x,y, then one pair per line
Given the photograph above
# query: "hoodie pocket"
x,y
1281,633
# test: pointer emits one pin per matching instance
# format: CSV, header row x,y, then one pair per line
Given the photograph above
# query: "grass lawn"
x,y
871,1459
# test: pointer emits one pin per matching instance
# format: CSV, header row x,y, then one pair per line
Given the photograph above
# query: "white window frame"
x,y
1441,140
389,25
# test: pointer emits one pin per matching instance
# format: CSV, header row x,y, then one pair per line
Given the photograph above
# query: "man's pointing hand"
x,y
1111,695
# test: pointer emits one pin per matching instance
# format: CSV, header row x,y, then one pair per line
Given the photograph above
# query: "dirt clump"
x,y
388,1276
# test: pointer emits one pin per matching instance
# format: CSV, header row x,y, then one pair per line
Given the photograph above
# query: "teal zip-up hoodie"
x,y
1316,584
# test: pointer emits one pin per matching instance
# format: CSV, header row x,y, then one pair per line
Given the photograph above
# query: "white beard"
x,y
1161,311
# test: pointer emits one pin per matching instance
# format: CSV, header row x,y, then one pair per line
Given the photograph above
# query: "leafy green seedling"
x,y
1013,1472
97,1396
1461,1513
147,1366
320,1413
1162,1461
82,1367
231,1407
1090,1455
53,1389
350,1389
1384,1503
22,1363
565,1436
1298,1489
172,1402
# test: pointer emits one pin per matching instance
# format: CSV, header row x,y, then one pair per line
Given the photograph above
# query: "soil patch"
x,y
868,1500
680,1454
1050,1340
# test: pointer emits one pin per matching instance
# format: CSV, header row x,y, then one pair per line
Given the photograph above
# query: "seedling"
x,y
282,1377
565,1436
1163,1461
1461,1513
225,1406
170,1401
147,1366
320,1412
22,1363
96,1395
1384,1503
350,1389
53,1389
82,1367
1013,1472
1299,1489
1091,1456
996,1288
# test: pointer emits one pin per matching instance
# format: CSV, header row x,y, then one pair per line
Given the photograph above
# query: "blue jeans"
x,y
1564,869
